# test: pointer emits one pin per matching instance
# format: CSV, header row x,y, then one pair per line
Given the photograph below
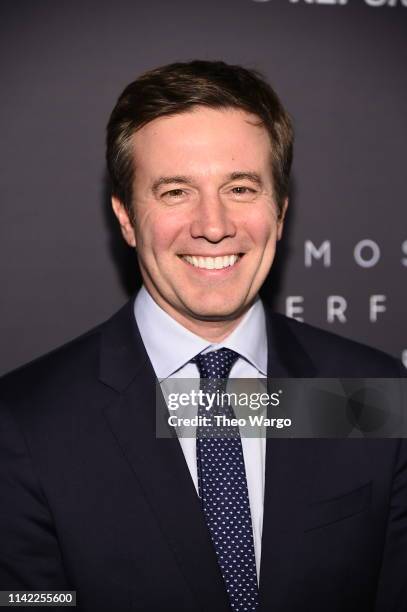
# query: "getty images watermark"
x,y
288,408
212,405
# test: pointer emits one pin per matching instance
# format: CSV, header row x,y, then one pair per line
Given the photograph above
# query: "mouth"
x,y
212,263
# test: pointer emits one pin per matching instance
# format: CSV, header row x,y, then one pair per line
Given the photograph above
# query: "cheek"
x,y
157,231
262,227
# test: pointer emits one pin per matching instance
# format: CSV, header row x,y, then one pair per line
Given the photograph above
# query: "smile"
x,y
211,263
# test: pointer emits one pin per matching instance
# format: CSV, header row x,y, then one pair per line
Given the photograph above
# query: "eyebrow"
x,y
250,176
178,179
167,180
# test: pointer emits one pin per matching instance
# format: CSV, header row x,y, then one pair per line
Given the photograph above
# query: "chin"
x,y
219,311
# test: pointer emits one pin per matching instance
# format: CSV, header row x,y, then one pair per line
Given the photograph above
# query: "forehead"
x,y
202,140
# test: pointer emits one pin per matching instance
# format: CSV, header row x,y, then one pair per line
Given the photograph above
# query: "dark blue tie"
x,y
223,487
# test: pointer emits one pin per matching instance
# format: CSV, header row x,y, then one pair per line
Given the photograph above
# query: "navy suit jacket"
x,y
91,500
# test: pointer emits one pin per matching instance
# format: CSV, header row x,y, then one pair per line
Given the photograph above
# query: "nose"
x,y
212,220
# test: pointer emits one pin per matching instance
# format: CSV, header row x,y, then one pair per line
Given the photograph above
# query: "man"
x,y
199,155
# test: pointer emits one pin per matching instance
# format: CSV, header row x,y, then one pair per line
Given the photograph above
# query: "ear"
x,y
123,218
280,222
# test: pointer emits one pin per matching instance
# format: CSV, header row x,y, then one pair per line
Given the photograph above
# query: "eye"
x,y
243,193
243,190
173,193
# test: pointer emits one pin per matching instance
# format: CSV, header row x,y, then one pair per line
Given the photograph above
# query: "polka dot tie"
x,y
223,487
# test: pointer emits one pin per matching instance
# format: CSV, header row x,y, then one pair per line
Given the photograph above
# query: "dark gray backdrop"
x,y
340,68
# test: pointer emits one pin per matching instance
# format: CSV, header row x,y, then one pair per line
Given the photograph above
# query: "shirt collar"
x,y
249,338
158,329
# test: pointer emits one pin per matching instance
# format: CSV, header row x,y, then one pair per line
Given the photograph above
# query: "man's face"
x,y
205,218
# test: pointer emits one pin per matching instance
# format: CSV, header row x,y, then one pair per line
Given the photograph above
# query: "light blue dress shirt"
x,y
160,331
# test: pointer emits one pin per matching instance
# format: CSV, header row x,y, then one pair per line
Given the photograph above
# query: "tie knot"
x,y
216,364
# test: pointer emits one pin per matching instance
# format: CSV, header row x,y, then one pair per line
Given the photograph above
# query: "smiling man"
x,y
204,216
92,500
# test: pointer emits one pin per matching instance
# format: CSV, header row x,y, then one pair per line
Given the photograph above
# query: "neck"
x,y
212,330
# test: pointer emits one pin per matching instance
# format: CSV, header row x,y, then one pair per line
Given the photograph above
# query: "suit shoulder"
x,y
335,354
59,368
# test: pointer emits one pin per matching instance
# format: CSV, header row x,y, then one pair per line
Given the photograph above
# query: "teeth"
x,y
212,263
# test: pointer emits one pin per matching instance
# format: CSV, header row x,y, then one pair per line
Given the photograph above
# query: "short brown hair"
x,y
176,88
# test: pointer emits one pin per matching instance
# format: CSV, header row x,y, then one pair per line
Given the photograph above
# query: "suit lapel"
x,y
287,357
158,464
288,471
